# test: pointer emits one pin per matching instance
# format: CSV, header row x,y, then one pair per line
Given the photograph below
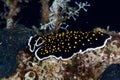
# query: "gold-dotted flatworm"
x,y
66,44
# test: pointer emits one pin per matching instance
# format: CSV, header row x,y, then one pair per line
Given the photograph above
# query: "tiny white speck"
x,y
0,43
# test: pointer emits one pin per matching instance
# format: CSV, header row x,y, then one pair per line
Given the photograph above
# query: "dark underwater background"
x,y
101,13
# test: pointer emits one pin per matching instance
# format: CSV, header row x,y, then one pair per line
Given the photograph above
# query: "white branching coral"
x,y
81,5
60,11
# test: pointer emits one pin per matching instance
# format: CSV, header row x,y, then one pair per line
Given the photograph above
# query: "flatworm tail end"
x,y
99,47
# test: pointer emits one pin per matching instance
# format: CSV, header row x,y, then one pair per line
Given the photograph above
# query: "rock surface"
x,y
111,73
11,41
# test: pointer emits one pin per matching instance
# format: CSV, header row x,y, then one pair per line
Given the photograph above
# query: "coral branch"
x,y
60,11
45,11
13,10
73,12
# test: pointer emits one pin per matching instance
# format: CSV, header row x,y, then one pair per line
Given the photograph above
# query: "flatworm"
x,y
66,44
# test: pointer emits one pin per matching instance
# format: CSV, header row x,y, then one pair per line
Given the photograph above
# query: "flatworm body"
x,y
66,44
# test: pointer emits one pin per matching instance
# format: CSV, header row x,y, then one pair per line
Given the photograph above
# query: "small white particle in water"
x,y
0,43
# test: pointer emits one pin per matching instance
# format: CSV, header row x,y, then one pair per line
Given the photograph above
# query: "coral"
x,y
52,12
30,75
60,11
12,11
